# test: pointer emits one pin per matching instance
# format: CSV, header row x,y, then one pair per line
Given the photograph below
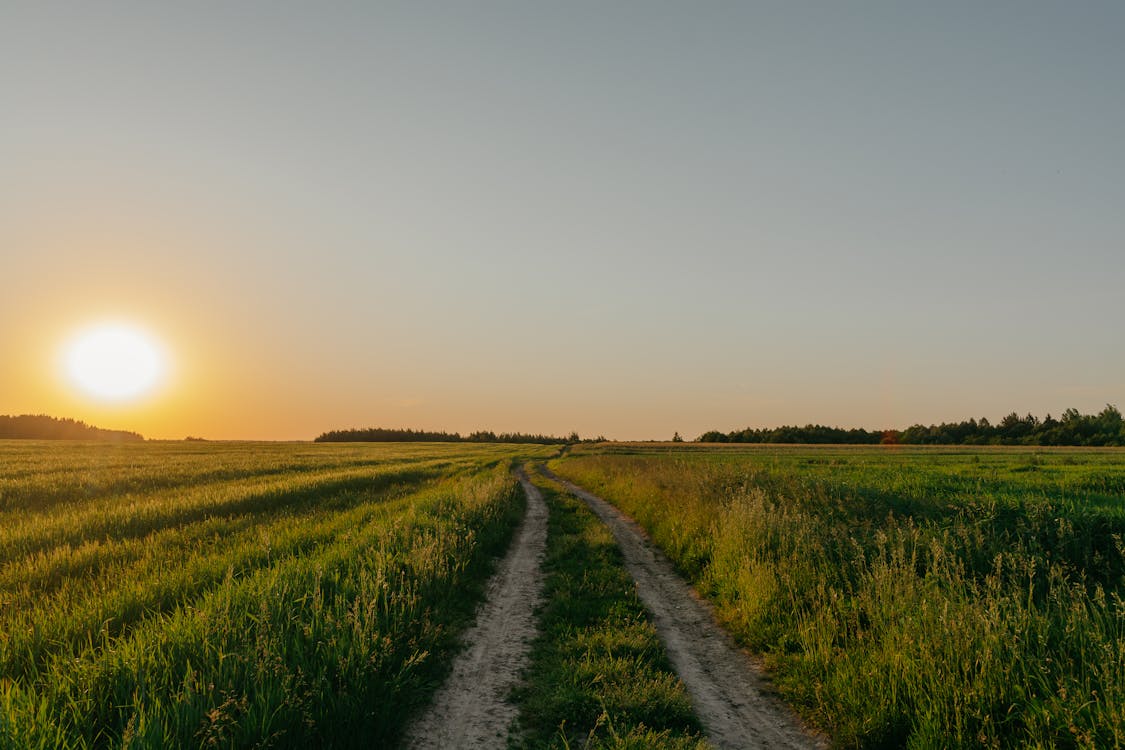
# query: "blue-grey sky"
x,y
624,218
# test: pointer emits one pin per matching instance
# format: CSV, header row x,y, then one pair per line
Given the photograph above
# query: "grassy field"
x,y
257,595
599,677
250,595
904,597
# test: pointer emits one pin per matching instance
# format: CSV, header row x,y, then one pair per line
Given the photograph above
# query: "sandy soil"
x,y
728,693
472,709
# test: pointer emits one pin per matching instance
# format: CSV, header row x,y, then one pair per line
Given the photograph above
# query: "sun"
x,y
114,361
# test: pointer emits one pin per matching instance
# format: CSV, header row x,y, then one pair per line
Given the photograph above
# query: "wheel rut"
x,y
472,709
729,694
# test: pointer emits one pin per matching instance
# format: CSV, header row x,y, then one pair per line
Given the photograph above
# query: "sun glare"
x,y
114,361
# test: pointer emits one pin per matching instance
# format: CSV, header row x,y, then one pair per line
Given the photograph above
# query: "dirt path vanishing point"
x,y
472,709
726,689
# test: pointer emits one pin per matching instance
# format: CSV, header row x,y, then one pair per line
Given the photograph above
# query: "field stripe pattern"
x,y
290,595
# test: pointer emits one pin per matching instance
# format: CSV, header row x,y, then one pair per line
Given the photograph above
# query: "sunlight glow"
x,y
114,361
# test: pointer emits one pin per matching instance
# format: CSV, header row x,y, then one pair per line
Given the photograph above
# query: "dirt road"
x,y
472,709
727,692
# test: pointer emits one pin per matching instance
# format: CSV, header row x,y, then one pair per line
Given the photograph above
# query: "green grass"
x,y
250,595
273,595
599,676
904,597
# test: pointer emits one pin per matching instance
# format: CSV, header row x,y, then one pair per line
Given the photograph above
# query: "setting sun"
x,y
114,361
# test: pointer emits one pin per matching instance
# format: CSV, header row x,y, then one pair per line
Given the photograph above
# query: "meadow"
x,y
270,595
250,595
903,597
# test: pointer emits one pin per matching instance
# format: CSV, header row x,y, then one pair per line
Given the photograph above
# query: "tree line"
x,y
1105,428
405,435
43,427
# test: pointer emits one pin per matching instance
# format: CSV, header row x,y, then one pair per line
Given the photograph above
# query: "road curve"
x,y
727,692
472,709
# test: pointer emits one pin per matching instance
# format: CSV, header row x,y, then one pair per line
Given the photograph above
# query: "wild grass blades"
x,y
908,598
108,596
599,675
317,606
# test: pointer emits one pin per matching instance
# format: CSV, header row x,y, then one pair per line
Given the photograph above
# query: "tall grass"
x,y
906,599
292,605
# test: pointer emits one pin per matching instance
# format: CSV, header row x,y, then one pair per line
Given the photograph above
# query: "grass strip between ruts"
x,y
599,676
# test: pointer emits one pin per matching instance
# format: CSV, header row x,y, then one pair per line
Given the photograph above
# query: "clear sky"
x,y
625,218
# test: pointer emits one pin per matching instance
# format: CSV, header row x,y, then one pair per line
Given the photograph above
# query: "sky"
x,y
627,219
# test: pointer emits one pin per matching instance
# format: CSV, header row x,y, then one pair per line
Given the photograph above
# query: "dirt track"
x,y
727,692
472,709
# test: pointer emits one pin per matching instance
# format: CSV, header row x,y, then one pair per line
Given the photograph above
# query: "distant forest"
x,y
42,427
383,435
1103,429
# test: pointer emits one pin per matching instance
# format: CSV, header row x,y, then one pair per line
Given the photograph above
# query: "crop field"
x,y
196,594
903,597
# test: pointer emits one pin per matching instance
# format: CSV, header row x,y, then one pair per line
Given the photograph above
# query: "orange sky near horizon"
x,y
613,219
